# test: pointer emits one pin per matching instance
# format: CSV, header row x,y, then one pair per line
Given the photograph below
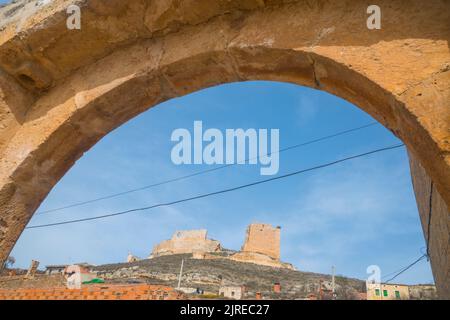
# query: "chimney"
x,y
277,287
258,296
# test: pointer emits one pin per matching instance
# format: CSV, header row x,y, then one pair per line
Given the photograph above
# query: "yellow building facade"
x,y
384,291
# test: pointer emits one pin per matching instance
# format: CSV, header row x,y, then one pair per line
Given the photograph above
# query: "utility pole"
x,y
320,289
181,273
333,282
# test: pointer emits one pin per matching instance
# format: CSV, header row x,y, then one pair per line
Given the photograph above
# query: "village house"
x,y
51,270
232,292
387,291
61,268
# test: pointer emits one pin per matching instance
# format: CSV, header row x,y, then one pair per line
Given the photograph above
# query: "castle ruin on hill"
x,y
261,246
188,241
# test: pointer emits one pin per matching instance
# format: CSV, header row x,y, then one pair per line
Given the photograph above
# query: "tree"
x,y
9,262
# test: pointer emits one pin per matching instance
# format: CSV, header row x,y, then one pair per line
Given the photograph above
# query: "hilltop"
x,y
210,274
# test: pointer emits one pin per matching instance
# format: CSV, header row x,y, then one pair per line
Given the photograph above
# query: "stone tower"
x,y
264,239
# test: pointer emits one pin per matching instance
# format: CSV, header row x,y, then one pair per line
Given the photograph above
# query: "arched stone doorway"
x,y
62,90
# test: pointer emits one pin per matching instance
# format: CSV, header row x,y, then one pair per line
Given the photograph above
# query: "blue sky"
x,y
352,215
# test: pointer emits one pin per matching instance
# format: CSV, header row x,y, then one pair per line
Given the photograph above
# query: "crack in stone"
x,y
322,34
167,87
313,65
232,58
444,68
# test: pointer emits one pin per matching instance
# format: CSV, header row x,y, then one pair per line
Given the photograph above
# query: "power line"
x,y
394,272
221,191
407,267
114,195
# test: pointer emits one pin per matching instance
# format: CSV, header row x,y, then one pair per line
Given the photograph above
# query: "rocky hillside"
x,y
209,274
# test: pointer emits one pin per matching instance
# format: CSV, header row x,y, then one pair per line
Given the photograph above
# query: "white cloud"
x,y
307,109
343,213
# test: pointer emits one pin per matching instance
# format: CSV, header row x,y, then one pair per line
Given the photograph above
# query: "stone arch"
x,y
62,90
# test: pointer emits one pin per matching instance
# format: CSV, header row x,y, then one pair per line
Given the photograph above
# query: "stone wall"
x,y
423,292
261,259
39,281
435,220
103,292
189,241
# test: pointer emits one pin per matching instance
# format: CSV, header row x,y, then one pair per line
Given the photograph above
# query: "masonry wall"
x,y
100,292
38,281
263,238
436,221
188,241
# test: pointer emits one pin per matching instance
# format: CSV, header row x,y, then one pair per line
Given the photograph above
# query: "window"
x,y
385,293
377,292
397,294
